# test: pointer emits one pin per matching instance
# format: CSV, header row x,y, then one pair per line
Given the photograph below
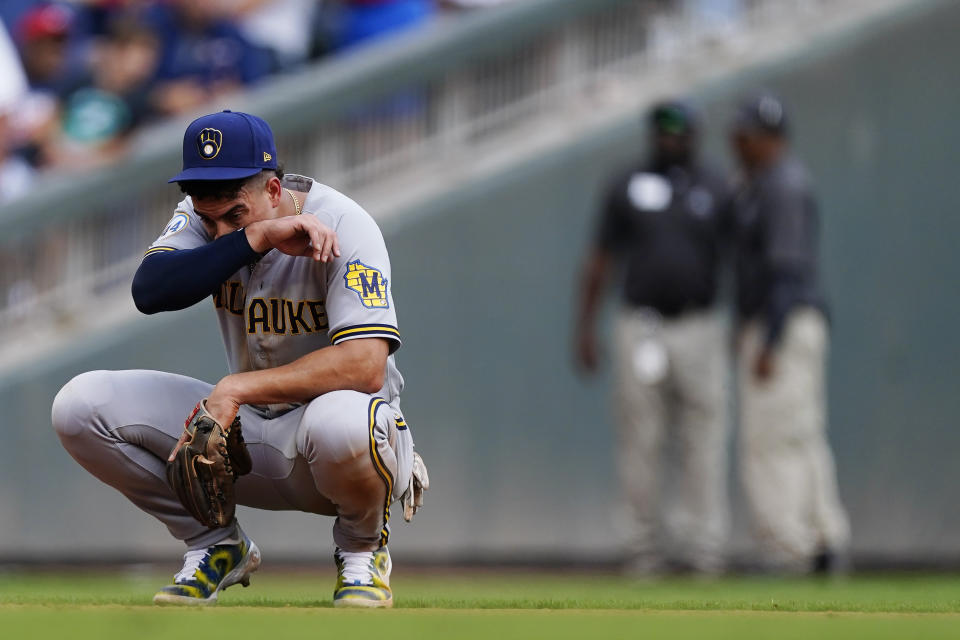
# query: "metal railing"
x,y
360,123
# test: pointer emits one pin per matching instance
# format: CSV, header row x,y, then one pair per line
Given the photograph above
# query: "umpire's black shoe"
x,y
830,562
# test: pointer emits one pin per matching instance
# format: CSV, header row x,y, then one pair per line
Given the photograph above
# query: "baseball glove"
x,y
204,464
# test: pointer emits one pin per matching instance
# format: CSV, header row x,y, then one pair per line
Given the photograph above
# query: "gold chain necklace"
x,y
296,203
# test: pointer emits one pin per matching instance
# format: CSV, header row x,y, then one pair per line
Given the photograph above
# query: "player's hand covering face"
x,y
295,236
267,226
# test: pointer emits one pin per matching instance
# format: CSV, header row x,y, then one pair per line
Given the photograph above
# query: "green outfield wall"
x,y
519,447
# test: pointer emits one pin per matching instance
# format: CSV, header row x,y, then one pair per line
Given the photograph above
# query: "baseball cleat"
x,y
208,571
364,579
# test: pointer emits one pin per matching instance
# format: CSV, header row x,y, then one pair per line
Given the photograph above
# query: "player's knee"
x,y
73,408
337,424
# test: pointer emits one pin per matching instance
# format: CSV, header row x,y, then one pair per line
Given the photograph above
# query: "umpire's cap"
x,y
673,117
226,146
763,112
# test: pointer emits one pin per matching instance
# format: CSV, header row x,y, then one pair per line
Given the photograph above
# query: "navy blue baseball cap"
x,y
226,146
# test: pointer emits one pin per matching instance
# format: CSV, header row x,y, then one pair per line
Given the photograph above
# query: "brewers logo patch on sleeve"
x,y
368,283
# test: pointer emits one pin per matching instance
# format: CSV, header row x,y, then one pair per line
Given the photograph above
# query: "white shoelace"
x,y
191,562
356,566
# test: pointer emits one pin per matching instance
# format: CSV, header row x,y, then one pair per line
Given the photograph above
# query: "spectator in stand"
x,y
15,174
90,81
95,17
13,81
44,34
53,67
282,27
204,55
352,22
97,118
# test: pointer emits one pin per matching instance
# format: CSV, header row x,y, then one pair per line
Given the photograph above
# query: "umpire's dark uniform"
x,y
788,471
661,222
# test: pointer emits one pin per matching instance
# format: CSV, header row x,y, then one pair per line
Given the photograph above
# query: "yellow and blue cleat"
x,y
364,579
208,571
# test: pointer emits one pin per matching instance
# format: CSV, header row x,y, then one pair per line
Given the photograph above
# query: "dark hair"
x,y
226,189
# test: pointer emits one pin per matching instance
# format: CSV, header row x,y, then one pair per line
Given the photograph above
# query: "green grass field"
x,y
499,605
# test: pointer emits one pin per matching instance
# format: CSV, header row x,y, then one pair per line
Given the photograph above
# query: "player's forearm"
x,y
256,236
357,365
172,280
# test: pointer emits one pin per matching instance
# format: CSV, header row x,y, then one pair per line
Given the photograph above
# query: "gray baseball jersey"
x,y
284,307
343,454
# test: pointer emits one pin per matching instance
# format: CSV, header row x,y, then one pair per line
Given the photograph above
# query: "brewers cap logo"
x,y
368,283
209,142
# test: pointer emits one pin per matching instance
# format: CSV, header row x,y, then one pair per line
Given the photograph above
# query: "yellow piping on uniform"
x,y
158,250
381,468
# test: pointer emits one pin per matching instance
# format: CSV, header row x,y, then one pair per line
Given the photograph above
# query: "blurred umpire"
x,y
787,468
660,224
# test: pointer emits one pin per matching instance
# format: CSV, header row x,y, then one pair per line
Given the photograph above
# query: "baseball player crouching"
x,y
301,285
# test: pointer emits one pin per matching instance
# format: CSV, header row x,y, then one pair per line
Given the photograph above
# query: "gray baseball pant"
x,y
339,455
787,469
682,399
